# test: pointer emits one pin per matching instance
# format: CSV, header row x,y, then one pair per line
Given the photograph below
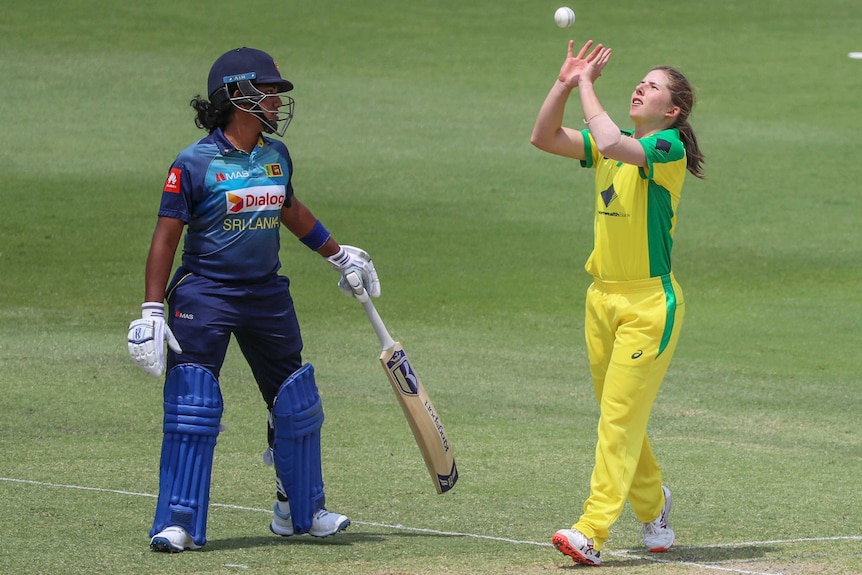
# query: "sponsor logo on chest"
x,y
230,176
260,199
271,171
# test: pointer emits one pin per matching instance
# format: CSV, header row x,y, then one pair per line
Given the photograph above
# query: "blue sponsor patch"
x,y
239,77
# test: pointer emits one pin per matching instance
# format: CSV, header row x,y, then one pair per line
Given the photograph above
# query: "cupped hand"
x,y
584,64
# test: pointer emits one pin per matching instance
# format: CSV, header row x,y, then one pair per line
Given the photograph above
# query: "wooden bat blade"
x,y
415,403
422,416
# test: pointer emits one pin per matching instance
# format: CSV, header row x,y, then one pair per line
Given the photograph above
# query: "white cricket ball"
x,y
564,17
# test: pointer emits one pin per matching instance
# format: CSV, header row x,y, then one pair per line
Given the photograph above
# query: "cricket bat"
x,y
420,412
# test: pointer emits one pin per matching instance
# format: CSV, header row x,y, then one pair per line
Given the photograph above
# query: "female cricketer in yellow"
x,y
634,307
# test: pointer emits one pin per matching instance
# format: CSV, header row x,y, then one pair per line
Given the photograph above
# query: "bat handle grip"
x,y
357,287
386,340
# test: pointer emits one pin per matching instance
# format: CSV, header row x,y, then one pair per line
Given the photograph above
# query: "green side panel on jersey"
x,y
659,238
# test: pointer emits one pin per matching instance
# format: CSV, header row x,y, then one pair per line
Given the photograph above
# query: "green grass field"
x,y
411,140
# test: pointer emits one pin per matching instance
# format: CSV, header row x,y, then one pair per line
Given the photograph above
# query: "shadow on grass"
x,y
722,554
342,539
696,555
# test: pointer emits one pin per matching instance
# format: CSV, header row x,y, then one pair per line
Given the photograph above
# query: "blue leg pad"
x,y
297,416
193,409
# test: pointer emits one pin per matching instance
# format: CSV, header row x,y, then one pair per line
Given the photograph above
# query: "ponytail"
x,y
693,156
682,95
209,115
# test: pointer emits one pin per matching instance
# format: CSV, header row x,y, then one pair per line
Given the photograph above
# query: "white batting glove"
x,y
147,339
350,259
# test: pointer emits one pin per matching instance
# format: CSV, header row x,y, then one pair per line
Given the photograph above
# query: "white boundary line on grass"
x,y
626,554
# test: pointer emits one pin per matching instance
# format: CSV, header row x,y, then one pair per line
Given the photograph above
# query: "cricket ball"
x,y
564,17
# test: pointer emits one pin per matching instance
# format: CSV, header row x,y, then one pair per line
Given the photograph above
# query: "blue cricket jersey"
x,y
231,202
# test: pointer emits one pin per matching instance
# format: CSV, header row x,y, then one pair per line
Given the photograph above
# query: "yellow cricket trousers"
x,y
631,330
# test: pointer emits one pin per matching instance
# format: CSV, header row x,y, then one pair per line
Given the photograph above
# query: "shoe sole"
x,y
279,533
338,529
661,549
163,546
563,546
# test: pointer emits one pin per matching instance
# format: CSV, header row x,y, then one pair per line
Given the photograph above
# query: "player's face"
x,y
272,102
651,99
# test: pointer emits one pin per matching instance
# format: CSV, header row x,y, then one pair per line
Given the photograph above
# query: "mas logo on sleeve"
x,y
172,184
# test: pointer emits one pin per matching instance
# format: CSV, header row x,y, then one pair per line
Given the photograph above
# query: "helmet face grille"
x,y
275,120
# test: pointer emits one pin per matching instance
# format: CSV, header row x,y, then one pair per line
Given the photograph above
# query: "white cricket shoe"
x,y
658,536
172,539
323,523
573,543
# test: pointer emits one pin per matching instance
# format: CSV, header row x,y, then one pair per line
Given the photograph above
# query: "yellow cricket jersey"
x,y
636,208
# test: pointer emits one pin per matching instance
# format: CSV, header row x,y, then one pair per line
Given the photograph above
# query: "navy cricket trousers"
x,y
204,313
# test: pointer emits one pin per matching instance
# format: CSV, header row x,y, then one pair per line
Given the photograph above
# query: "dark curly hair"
x,y
209,115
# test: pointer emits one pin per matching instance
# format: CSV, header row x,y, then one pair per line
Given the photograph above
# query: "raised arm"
x,y
609,140
549,134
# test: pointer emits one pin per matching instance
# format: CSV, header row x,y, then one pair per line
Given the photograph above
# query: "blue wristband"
x,y
316,237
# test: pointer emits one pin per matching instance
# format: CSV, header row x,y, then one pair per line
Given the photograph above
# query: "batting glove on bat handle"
x,y
147,337
356,286
350,259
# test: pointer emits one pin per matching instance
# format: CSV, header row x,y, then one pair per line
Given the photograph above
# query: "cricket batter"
x,y
231,192
634,307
